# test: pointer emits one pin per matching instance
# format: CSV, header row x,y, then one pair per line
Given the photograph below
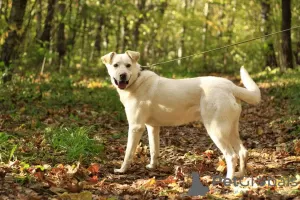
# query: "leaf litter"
x,y
274,151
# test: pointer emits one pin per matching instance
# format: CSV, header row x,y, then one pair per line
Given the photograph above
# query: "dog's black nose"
x,y
123,77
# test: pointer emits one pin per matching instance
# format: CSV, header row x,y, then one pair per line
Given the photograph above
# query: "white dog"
x,y
153,101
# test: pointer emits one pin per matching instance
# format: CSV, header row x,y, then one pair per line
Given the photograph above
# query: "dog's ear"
x,y
133,55
108,58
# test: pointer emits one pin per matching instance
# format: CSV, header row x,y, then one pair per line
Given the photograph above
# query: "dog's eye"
x,y
128,65
116,65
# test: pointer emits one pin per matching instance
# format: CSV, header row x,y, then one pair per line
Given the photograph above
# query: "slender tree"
x,y
141,5
98,39
287,56
205,27
74,27
125,33
46,35
83,32
297,53
13,40
181,50
118,31
270,58
39,19
61,42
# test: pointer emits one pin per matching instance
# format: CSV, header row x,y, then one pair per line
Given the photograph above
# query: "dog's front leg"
x,y
134,136
153,135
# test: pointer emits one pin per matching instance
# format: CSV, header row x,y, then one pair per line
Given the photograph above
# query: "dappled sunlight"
x,y
88,109
93,83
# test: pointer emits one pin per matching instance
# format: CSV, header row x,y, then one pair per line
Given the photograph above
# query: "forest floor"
x,y
36,118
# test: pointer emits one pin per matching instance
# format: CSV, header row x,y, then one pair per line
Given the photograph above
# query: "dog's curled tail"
x,y
250,94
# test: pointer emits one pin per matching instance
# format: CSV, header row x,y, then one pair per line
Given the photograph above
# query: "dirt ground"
x,y
273,153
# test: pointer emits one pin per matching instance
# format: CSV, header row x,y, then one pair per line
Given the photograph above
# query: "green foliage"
x,y
161,30
74,142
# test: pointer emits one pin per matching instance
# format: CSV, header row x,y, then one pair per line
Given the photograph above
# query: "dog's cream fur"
x,y
153,101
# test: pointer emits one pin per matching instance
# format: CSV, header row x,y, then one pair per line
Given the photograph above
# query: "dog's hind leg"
x,y
134,136
153,135
219,132
229,154
240,149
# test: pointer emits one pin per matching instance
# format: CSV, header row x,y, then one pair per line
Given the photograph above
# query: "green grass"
x,y
286,85
7,148
74,143
3,145
35,97
30,105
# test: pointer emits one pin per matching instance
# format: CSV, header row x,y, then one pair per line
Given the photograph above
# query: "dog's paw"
x,y
151,166
119,170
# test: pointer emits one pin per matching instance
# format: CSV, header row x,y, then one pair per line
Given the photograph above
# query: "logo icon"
x,y
197,187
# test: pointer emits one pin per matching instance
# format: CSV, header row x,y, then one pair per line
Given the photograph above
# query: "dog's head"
x,y
122,68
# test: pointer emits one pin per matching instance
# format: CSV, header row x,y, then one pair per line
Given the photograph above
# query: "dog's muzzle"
x,y
123,82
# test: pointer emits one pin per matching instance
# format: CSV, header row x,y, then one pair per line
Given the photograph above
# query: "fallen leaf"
x,y
259,130
93,179
57,190
221,165
94,168
39,175
297,147
145,183
72,169
166,182
75,187
86,195
179,173
209,153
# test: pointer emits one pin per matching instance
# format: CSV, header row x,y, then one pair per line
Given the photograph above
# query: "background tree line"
x,y
59,35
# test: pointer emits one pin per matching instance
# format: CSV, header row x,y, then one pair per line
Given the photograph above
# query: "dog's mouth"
x,y
121,84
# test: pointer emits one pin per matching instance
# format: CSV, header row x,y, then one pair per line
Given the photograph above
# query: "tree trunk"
x,y
118,31
230,27
98,36
125,33
204,36
297,50
39,19
61,42
270,58
12,41
98,39
181,49
45,37
74,27
84,28
297,53
106,37
220,34
141,4
287,56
